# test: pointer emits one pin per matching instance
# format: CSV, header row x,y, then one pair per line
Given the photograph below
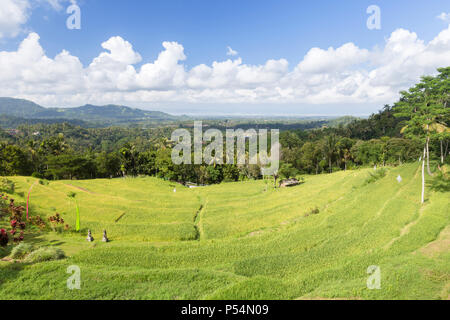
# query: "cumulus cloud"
x,y
331,60
347,74
166,72
13,15
444,17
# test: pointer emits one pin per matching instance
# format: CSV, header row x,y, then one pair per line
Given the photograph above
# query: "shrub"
x,y
7,186
37,221
373,177
43,182
37,175
45,254
20,251
71,194
440,183
16,215
57,223
316,210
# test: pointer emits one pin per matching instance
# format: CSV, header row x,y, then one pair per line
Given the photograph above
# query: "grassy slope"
x,y
245,242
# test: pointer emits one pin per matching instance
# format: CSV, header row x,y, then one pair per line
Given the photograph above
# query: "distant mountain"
x,y
19,107
109,113
99,113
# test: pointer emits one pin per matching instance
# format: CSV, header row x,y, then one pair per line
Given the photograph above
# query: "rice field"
x,y
243,240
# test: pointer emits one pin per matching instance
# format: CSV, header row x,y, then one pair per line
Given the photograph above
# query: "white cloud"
x,y
165,72
13,15
444,17
121,51
343,75
324,61
29,70
231,52
58,5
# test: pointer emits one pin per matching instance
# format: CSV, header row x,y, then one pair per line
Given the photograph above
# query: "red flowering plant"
x,y
16,214
15,219
58,220
39,222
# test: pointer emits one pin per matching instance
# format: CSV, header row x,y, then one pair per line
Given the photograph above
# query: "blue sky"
x,y
258,30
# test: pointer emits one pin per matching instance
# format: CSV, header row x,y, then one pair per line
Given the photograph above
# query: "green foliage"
x,y
230,173
383,123
287,171
37,175
3,252
71,194
440,183
7,186
375,176
14,161
21,250
45,254
425,107
43,182
316,210
71,166
108,164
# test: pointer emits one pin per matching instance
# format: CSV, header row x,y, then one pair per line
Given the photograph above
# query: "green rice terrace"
x,y
243,240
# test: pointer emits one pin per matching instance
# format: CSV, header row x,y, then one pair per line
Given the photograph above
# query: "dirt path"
x,y
79,188
198,221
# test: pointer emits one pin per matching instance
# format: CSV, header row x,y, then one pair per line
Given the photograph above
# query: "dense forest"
x,y
394,135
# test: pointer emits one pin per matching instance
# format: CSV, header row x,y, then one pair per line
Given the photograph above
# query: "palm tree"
x,y
329,148
343,147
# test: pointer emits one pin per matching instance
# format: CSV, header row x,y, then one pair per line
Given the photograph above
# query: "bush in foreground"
x,y
21,251
45,254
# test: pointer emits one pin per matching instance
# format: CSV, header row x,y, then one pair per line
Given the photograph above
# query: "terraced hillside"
x,y
242,240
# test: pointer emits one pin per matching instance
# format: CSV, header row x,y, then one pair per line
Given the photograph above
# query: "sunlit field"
x,y
243,240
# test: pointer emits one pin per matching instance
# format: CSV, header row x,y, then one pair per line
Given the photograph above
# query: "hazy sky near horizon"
x,y
221,57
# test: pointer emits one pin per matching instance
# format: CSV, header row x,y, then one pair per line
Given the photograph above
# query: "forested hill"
x,y
98,113
19,107
110,113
